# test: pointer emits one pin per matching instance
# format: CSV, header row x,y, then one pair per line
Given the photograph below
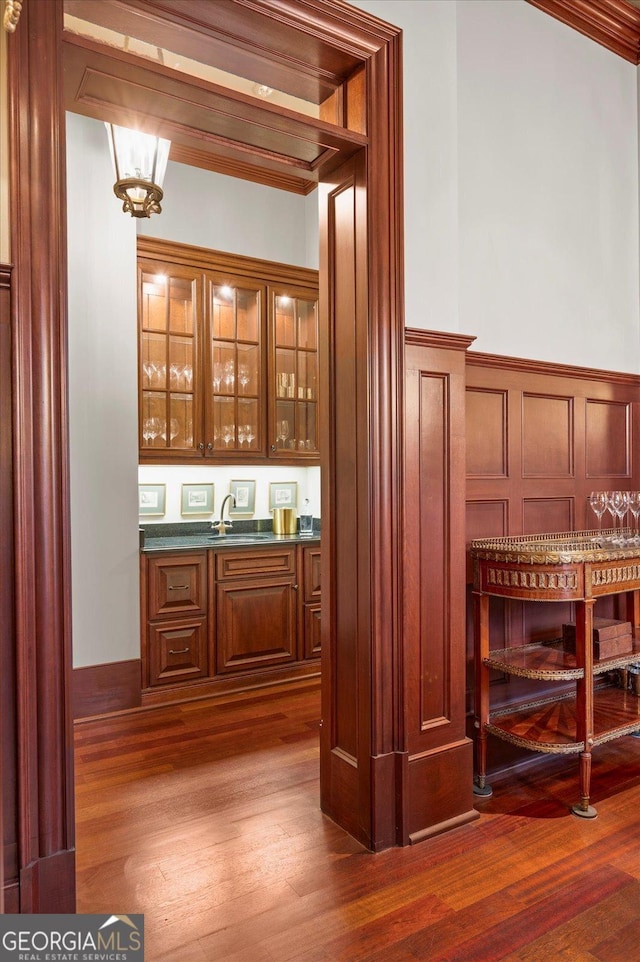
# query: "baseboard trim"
x,y
101,689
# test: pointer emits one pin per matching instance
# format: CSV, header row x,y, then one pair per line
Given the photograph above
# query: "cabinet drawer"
x,y
177,585
266,561
311,573
177,651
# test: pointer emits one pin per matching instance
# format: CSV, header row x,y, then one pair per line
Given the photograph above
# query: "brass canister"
x,y
284,521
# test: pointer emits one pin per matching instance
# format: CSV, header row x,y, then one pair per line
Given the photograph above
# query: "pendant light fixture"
x,y
139,162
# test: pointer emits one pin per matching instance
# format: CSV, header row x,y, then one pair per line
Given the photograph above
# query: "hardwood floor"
x,y
205,818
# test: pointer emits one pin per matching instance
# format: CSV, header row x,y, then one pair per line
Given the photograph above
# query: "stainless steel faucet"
x,y
222,525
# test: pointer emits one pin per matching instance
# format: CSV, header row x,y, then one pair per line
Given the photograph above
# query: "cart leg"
x,y
481,632
583,809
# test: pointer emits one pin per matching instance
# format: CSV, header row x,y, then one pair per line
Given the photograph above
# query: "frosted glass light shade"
x,y
139,163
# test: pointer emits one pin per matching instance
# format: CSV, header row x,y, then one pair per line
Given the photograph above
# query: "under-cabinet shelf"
x,y
550,724
548,661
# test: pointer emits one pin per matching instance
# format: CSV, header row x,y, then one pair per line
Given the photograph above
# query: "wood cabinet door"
x,y
234,378
256,624
177,651
293,374
311,563
311,647
170,331
177,585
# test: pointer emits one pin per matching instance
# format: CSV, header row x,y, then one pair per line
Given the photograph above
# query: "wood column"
x,y
8,869
42,563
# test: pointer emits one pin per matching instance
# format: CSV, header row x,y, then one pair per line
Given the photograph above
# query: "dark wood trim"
x,y
438,339
233,167
548,368
614,24
99,689
41,482
237,264
7,638
219,686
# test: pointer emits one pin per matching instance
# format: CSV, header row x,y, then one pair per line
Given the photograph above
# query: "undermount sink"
x,y
230,539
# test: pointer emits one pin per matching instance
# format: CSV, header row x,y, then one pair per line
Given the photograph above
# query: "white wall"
x,y
174,476
102,405
521,182
236,216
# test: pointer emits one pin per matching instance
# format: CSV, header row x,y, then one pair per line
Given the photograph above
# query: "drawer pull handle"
x,y
178,587
178,651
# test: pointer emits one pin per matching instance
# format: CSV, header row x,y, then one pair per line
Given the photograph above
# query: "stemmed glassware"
x,y
634,508
228,433
170,430
598,502
282,431
243,376
151,429
620,504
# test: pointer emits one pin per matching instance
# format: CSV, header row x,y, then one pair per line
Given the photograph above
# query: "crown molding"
x,y
614,24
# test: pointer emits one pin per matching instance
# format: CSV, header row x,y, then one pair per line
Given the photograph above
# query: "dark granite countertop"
x,y
183,537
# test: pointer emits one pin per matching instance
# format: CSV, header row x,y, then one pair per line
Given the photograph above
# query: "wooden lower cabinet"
x,y
217,620
256,624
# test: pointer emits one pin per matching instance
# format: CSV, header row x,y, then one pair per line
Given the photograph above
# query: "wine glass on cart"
x,y
598,502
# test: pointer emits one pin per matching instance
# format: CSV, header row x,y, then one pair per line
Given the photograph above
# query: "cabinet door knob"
x,y
273,447
295,587
178,651
210,446
201,446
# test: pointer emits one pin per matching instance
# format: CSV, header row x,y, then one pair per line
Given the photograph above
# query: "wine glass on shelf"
x,y
282,432
217,376
228,433
250,435
242,436
170,430
243,376
598,502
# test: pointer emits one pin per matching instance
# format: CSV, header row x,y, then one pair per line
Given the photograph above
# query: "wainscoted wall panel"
x,y
486,425
567,431
608,441
547,436
437,754
547,514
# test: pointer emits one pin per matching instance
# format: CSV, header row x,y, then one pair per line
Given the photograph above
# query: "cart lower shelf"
x,y
549,724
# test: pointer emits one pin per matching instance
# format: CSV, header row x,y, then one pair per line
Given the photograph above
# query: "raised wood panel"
x,y
608,440
312,631
97,689
178,651
433,512
547,436
486,426
434,643
547,514
312,570
256,625
177,585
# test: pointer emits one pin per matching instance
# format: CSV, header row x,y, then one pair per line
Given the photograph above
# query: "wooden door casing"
x,y
44,796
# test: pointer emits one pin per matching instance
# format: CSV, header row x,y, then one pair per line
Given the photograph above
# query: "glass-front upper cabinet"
x,y
170,418
234,377
228,357
293,422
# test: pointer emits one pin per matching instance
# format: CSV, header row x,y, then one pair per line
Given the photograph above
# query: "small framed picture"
x,y
197,498
245,494
283,494
151,498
